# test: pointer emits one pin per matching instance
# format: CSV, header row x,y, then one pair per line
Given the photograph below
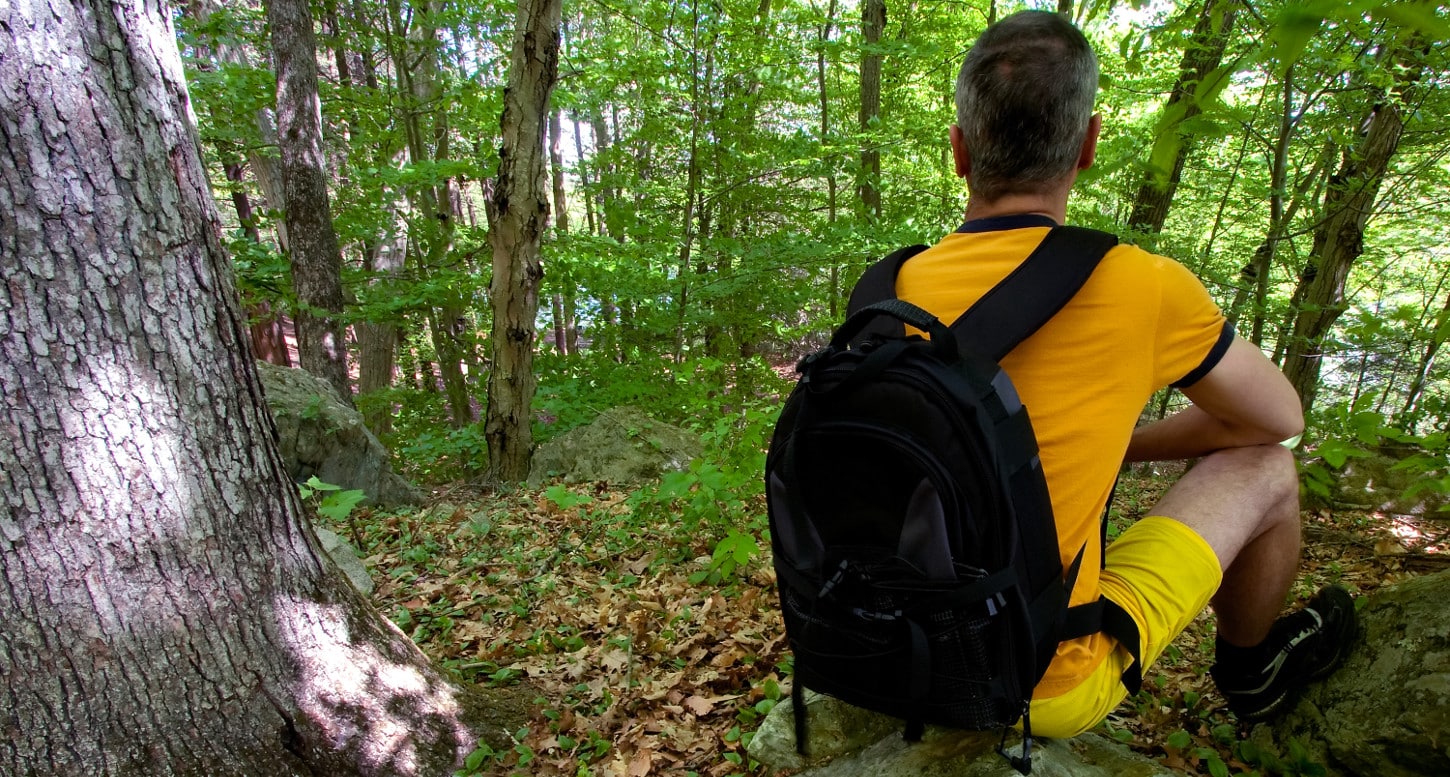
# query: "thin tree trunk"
x,y
378,339
561,226
1201,57
604,168
1437,332
269,339
520,208
589,218
316,256
425,124
698,113
834,293
167,609
873,23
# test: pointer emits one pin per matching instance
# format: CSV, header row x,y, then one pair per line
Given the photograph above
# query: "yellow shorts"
x,y
1163,574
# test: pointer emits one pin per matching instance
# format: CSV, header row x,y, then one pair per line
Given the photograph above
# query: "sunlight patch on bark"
x,y
364,701
132,495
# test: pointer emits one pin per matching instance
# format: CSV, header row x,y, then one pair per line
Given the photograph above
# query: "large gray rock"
x,y
622,446
319,435
1386,712
1378,482
345,557
846,741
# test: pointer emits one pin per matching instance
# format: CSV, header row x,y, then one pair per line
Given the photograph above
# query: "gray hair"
x,y
1024,100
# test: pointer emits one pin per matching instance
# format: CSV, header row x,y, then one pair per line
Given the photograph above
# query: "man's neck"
x,y
1050,204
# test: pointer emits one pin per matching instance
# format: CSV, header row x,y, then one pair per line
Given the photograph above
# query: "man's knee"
x,y
1264,473
1234,495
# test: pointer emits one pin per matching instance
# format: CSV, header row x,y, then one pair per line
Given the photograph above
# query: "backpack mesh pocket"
x,y
868,653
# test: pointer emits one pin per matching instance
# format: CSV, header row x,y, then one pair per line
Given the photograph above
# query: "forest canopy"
x,y
721,172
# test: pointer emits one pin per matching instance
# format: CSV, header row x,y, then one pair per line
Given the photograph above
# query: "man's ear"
x,y
1089,150
960,156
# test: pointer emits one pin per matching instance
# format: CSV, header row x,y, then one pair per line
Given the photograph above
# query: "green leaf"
x,y
1179,740
565,499
1292,31
318,485
1417,17
337,506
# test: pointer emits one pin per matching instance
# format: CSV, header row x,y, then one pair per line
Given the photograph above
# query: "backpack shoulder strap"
x,y
1034,292
878,283
1016,307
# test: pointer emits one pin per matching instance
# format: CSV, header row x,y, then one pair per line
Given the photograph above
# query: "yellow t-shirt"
x,y
1141,322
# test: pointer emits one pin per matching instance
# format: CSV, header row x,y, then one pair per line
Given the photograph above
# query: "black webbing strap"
x,y
1043,611
1110,618
919,684
798,709
1012,310
1033,293
1118,624
878,283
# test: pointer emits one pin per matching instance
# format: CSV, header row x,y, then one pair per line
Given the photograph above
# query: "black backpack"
x,y
914,541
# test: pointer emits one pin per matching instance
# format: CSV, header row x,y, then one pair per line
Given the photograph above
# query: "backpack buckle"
x,y
803,366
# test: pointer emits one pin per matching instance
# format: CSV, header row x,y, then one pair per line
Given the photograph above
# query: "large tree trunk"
x,y
1200,58
166,609
873,23
316,257
1339,237
520,212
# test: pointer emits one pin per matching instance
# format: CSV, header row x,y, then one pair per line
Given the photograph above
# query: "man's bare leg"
x,y
1244,502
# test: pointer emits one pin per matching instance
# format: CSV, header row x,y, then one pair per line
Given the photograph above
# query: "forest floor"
x,y
639,667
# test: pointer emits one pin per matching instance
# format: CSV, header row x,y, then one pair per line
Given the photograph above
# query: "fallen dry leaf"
x,y
699,705
639,765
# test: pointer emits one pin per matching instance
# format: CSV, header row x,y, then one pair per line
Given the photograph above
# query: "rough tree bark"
x,y
519,212
1339,236
166,609
873,23
313,248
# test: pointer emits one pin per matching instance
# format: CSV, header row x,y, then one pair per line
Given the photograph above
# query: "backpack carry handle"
x,y
942,342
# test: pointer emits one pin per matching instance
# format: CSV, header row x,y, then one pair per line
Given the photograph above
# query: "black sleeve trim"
x,y
1225,339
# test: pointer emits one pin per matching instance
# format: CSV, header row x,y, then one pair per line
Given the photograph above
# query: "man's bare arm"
x,y
1244,400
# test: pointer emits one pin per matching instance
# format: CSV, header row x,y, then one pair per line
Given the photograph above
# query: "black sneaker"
x,y
1301,647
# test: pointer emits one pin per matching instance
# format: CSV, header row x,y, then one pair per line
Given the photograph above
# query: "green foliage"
x,y
731,554
444,455
719,146
1350,433
565,499
262,272
332,501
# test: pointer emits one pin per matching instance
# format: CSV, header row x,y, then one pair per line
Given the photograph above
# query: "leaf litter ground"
x,y
637,671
